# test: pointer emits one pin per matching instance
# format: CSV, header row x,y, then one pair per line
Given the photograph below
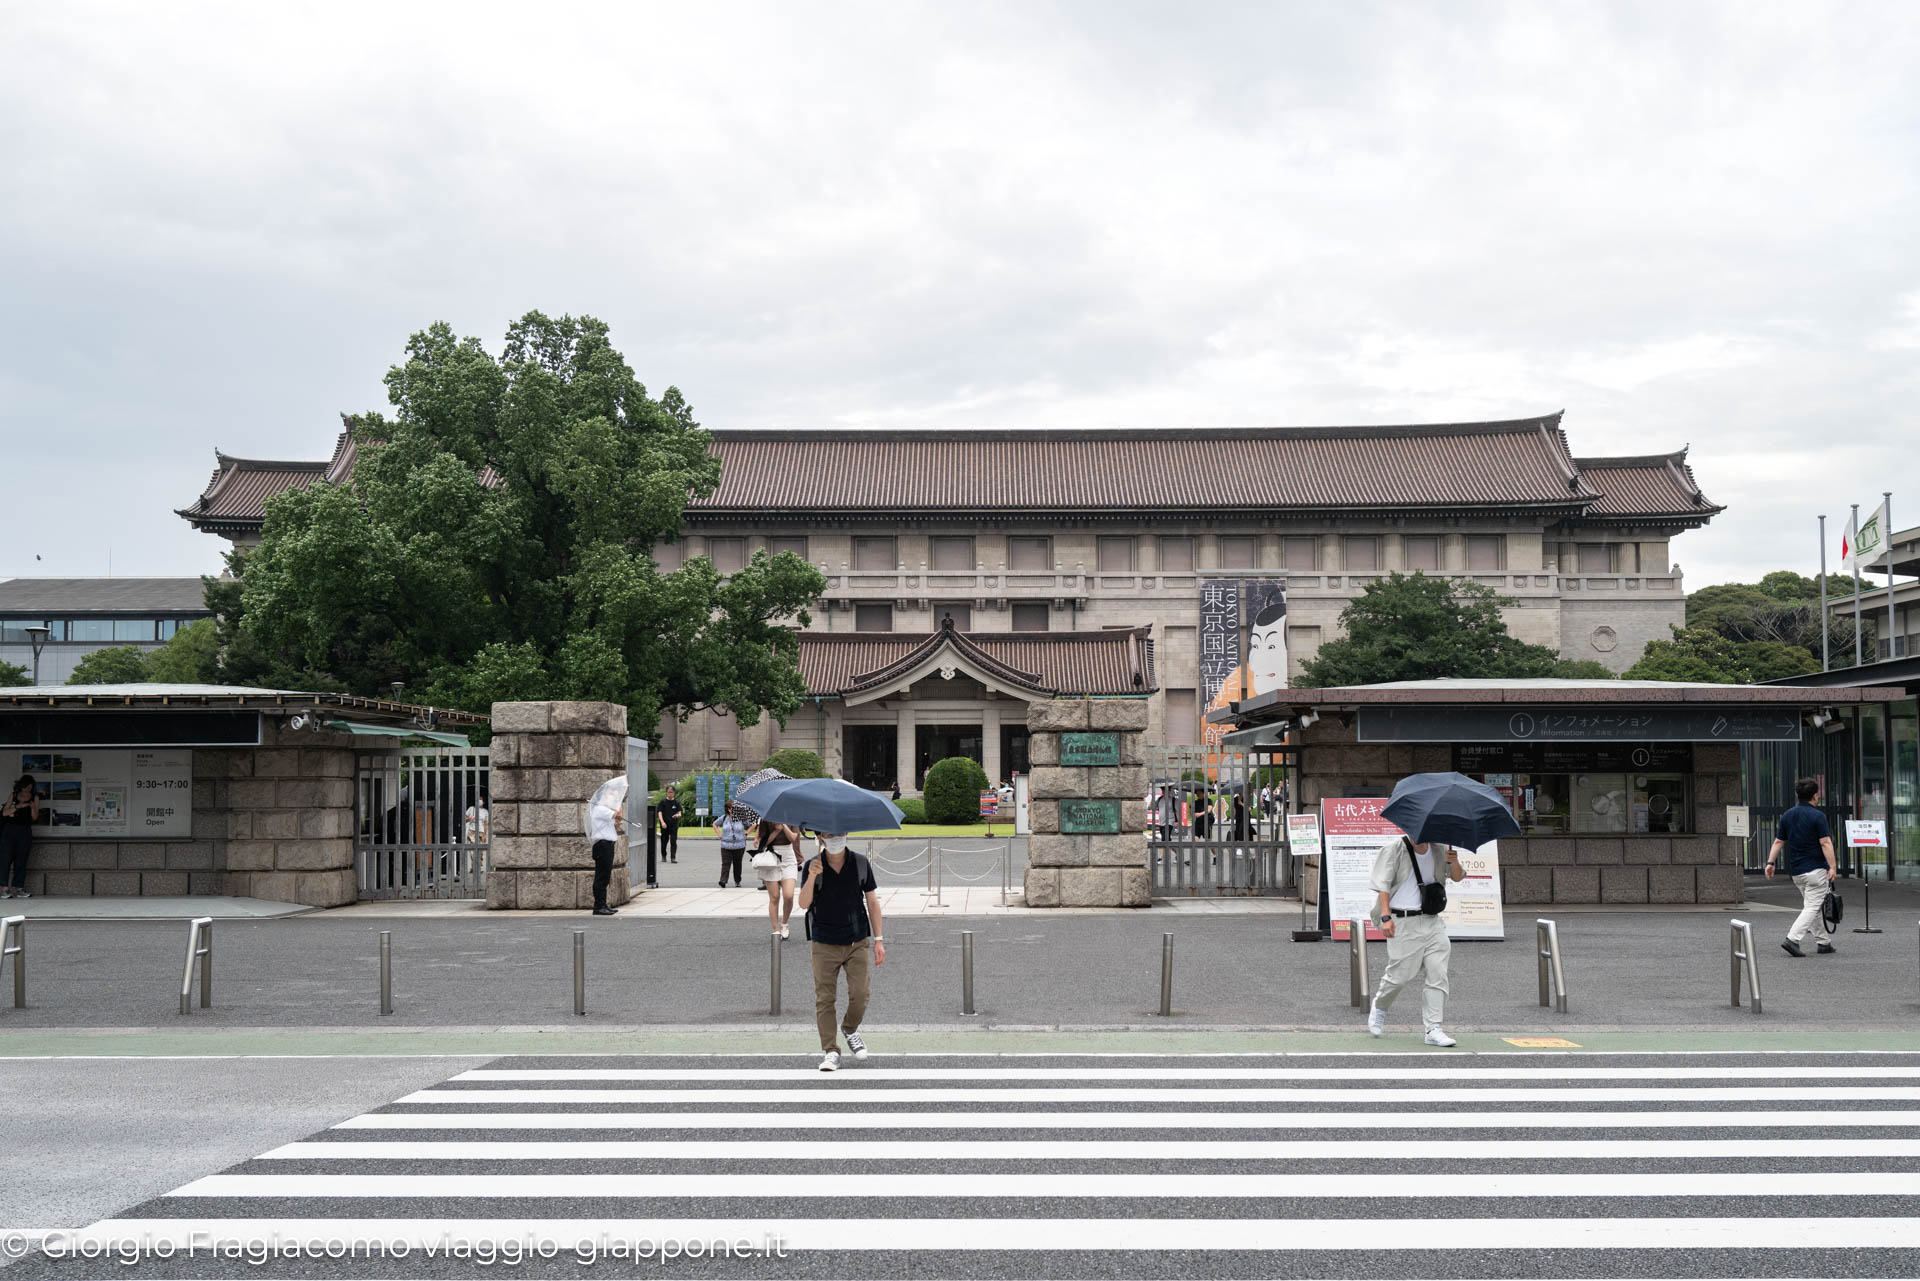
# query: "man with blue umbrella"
x,y
1438,812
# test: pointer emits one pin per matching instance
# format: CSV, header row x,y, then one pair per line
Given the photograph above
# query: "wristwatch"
x,y
879,939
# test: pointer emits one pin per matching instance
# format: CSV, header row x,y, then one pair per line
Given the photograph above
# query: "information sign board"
x,y
1355,831
1303,835
92,793
1090,749
1868,833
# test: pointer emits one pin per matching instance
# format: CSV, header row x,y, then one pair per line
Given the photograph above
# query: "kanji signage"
x,y
1090,749
1572,758
86,793
1508,724
1219,634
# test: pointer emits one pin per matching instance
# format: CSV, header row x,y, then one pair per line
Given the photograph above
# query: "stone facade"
x,y
1086,869
547,760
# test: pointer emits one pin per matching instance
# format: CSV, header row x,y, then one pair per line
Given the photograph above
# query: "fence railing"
x,y
422,821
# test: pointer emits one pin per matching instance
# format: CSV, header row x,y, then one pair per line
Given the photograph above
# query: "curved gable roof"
x,y
1044,664
1644,486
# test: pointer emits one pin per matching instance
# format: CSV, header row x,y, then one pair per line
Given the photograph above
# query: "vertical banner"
x,y
1219,634
1353,831
1266,654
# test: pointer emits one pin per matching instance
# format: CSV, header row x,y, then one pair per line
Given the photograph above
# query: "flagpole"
x,y
1886,514
1826,658
1856,584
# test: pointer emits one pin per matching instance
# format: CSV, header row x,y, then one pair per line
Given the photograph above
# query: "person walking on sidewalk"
x,y
844,901
783,843
1404,878
669,812
733,845
1807,839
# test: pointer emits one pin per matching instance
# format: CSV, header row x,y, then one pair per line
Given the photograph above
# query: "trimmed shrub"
x,y
912,809
952,790
796,762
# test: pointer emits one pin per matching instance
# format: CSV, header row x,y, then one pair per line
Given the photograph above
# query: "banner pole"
x,y
1856,583
1826,657
1886,514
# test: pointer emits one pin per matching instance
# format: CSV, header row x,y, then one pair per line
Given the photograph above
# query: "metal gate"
x,y
420,820
1216,820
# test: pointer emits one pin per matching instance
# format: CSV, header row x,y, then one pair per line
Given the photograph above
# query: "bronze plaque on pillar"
x,y
1082,817
1090,749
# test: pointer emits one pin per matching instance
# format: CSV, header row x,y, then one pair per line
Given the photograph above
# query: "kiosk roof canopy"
x,y
226,697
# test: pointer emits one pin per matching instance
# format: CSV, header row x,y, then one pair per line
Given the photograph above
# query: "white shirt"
x,y
600,823
1406,895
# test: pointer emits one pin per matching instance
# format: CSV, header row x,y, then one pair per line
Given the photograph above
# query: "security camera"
x,y
296,722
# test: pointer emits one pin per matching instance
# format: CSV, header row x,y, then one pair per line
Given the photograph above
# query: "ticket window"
x,y
1600,803
1659,803
1543,803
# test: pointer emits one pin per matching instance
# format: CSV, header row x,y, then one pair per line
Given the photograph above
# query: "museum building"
x,y
1096,562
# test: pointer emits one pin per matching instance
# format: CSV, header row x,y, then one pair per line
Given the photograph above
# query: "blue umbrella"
x,y
820,805
1451,808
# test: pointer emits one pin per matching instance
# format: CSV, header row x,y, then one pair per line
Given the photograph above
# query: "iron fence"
x,y
1216,820
422,820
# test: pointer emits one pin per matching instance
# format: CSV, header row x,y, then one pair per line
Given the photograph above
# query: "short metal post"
x,y
1006,872
1553,975
1359,977
200,948
13,942
386,971
1740,943
773,1005
1166,976
939,879
1866,900
966,972
579,971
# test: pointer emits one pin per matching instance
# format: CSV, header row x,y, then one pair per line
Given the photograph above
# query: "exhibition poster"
x,y
1354,833
92,793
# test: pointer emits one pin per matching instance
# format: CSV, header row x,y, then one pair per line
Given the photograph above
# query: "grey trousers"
x,y
1419,946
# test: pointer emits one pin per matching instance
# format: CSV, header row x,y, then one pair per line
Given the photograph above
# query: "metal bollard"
x,y
1546,939
1166,976
579,971
966,972
386,972
1359,974
774,1004
200,948
13,942
1741,944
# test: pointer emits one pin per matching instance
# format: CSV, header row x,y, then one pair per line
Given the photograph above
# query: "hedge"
x,y
952,790
796,762
912,809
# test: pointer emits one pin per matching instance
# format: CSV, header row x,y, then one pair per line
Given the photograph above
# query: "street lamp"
x,y
38,634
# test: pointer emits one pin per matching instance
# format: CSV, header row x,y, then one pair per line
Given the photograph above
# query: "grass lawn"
x,y
945,829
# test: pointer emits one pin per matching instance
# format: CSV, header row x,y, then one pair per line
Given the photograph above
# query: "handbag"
x,y
1831,910
765,860
1433,894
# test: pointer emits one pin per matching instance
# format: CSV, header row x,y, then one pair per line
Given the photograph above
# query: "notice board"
x,y
90,793
1354,831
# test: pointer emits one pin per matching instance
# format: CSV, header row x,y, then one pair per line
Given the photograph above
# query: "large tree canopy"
x,y
1703,654
495,543
1783,607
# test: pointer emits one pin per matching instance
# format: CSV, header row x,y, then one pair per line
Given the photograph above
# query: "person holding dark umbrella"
x,y
1438,812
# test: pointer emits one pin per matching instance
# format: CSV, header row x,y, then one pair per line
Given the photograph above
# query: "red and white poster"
x,y
1355,831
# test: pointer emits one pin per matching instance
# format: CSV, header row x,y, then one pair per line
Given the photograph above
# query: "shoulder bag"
x,y
1433,894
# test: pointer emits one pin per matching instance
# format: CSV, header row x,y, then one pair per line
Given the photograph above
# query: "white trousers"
x,y
1419,946
1813,892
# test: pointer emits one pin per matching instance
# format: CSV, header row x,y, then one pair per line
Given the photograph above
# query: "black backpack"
x,y
864,870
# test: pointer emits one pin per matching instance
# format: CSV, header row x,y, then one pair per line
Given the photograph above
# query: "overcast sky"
x,y
1682,223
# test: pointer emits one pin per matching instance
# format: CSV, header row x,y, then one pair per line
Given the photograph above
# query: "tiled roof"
x,y
1522,463
1117,661
1649,485
238,492
68,596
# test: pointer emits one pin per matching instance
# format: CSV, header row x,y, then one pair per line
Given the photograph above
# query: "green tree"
x,y
1582,669
796,762
12,674
123,665
1784,607
191,657
495,543
1704,655
1405,628
951,790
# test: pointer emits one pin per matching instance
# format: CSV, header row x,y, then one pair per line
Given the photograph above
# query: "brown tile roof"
x,y
1650,485
237,495
1118,661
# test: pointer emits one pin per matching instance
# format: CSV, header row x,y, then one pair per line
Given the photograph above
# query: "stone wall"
x,y
1087,869
547,760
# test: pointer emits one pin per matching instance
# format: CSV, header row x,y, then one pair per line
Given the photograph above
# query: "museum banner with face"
x,y
1238,663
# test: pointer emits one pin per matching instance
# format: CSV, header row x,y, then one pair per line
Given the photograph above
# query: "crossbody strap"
x,y
1414,859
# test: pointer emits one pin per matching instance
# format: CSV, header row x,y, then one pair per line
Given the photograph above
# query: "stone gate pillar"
x,y
1089,811
547,760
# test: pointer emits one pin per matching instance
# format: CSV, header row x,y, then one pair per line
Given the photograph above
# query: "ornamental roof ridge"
x,y
1499,427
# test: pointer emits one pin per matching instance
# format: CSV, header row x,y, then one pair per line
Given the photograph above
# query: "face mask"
x,y
834,844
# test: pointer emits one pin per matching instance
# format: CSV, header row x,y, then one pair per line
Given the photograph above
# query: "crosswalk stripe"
x,y
1155,1120
1777,1232
1077,1186
1477,1072
857,1094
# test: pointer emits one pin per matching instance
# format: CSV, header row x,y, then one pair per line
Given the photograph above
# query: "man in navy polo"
x,y
843,904
1808,841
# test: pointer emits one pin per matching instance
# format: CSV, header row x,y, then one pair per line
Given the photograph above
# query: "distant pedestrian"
x,y
1807,838
733,845
606,820
17,817
1410,896
669,812
778,871
1239,817
843,903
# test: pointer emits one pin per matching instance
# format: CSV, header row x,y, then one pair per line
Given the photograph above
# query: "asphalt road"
x,y
1170,1166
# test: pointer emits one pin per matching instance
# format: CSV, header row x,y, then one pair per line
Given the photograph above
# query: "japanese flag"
x,y
1866,543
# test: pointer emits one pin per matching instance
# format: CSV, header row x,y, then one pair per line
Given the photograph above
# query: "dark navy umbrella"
x,y
1450,808
820,805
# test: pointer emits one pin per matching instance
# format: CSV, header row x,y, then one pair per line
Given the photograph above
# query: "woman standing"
x,y
17,817
783,843
733,845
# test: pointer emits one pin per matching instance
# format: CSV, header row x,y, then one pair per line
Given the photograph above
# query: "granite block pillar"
x,y
547,760
1089,847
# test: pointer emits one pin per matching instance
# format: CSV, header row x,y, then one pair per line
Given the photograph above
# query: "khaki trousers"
x,y
1813,894
1419,946
828,960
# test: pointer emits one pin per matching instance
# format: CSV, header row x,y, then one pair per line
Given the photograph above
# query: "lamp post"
x,y
38,635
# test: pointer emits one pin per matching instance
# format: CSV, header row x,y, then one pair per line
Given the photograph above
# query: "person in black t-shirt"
x,y
842,897
669,811
1807,839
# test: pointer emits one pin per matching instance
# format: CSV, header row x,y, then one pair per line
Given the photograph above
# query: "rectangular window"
x,y
873,618
961,612
798,546
1176,555
729,555
1596,558
668,732
133,629
1031,616
90,629
1301,552
669,556
170,626
1183,722
723,736
1422,553
1361,552
1030,554
14,631
1486,553
951,552
1238,551
875,554
1115,554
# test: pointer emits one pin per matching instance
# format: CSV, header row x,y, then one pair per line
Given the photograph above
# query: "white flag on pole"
x,y
1861,547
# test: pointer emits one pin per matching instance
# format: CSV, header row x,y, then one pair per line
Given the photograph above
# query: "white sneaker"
x,y
783,934
831,1061
1438,1036
1377,1021
858,1046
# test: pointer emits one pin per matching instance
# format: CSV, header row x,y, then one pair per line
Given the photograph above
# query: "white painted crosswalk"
x,y
1705,1166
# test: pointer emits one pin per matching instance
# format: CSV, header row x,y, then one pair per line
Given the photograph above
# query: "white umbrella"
x,y
611,794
